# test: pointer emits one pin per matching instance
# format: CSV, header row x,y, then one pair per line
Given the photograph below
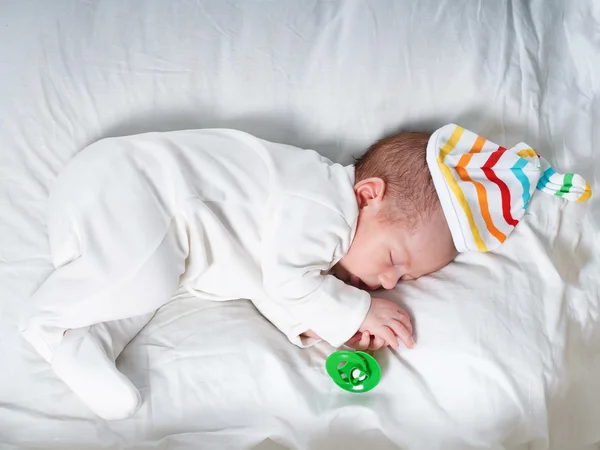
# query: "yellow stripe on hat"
x,y
458,193
587,193
527,153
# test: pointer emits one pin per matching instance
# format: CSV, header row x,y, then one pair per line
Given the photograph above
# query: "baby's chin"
x,y
366,287
339,272
350,279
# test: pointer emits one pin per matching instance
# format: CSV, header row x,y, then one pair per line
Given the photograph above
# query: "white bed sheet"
x,y
508,352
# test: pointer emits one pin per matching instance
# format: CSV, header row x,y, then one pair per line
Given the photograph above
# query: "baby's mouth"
x,y
355,281
360,284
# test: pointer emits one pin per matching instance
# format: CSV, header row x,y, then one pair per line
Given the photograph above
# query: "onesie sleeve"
x,y
284,322
300,245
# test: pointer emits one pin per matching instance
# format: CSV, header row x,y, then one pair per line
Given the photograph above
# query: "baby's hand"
x,y
385,320
363,340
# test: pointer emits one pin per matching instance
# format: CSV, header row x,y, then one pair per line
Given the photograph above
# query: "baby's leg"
x,y
81,294
85,361
114,336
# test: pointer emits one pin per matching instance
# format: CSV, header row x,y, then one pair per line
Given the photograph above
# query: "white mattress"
x,y
508,352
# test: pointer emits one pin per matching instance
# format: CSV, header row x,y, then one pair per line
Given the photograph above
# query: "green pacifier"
x,y
353,371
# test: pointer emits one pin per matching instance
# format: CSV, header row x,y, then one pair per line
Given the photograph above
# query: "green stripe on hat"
x,y
567,184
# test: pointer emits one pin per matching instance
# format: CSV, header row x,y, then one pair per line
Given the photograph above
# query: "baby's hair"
x,y
400,161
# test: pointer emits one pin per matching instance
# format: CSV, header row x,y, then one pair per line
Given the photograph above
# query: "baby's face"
x,y
383,253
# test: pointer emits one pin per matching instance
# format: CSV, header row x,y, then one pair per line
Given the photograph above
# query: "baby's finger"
x,y
365,340
354,340
360,341
401,331
376,343
388,336
404,319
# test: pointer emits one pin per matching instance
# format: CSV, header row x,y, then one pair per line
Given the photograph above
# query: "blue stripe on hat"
x,y
517,170
545,178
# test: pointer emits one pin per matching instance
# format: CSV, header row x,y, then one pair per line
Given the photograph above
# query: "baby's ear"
x,y
369,190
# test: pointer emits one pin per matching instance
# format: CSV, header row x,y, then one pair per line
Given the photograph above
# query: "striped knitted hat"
x,y
484,188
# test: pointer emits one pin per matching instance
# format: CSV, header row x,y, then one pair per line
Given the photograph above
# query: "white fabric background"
x,y
508,352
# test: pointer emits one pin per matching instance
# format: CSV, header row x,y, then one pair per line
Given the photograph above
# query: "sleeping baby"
x,y
227,216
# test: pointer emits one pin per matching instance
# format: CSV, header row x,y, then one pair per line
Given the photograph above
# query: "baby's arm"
x,y
333,310
305,238
302,241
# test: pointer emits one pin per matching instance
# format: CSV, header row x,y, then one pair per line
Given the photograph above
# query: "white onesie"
x,y
223,213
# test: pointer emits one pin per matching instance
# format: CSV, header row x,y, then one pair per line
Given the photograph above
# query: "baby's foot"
x,y
83,365
39,340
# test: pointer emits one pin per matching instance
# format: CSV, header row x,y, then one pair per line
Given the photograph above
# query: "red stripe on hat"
x,y
504,192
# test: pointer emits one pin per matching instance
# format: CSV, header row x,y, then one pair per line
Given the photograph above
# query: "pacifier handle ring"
x,y
368,368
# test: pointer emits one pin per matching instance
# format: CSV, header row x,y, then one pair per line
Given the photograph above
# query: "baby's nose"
x,y
388,280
